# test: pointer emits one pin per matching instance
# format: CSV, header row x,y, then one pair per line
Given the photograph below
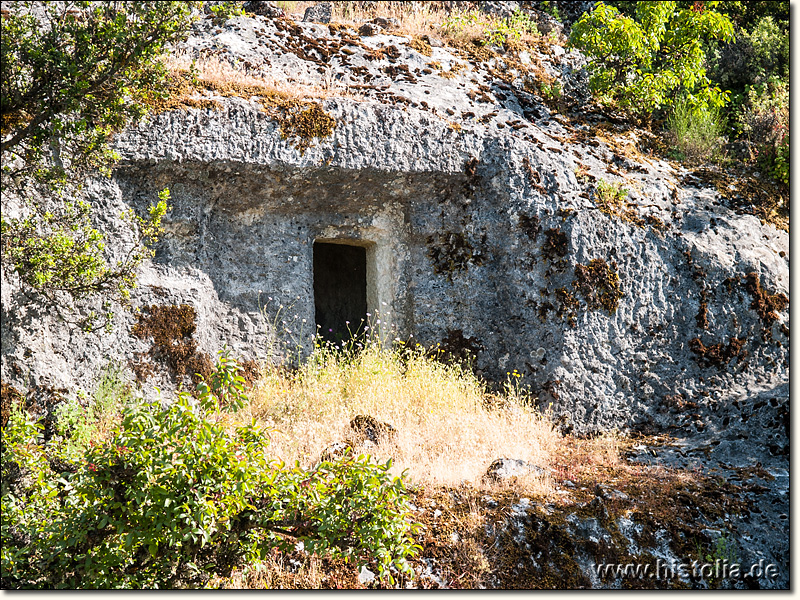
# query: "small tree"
x,y
646,62
71,74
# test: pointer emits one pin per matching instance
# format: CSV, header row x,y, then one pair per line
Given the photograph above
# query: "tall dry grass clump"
x,y
449,429
413,18
220,76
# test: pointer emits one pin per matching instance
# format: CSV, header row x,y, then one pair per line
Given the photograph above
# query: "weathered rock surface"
x,y
319,13
509,468
481,203
369,428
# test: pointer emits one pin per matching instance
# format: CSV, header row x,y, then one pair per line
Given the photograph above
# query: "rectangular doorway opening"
x,y
340,289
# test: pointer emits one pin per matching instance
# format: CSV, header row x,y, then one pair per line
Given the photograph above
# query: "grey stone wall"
x,y
475,229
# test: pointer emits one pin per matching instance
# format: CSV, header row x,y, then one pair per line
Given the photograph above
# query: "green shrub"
x,y
176,496
222,11
765,122
645,63
611,194
71,75
550,8
770,56
511,28
81,421
696,132
490,30
754,58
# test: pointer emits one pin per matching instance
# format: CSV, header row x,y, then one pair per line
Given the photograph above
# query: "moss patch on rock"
x,y
555,244
421,46
459,348
598,283
305,125
719,354
568,306
765,304
172,329
452,252
530,225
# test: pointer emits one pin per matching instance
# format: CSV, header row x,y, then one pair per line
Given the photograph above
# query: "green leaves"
x,y
59,253
648,62
69,77
80,71
227,386
173,498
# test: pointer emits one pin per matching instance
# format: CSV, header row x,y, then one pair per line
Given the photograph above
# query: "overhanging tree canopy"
x,y
71,74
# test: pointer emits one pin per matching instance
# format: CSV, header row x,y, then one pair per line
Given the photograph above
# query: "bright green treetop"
x,y
646,62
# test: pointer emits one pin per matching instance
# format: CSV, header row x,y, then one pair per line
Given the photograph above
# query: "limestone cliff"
x,y
501,216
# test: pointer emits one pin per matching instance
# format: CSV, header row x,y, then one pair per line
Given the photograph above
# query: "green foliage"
x,y
510,28
492,31
222,11
174,497
746,13
611,194
71,74
227,386
550,8
75,74
459,20
550,90
696,131
757,57
59,252
770,56
765,122
724,549
646,62
80,421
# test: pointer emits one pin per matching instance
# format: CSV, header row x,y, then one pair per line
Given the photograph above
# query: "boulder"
x,y
368,29
319,13
504,469
263,8
335,451
369,428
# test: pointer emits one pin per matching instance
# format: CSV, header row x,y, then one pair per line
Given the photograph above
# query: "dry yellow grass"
x,y
213,73
413,18
449,429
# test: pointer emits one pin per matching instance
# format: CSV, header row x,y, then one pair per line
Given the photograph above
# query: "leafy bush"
x,y
175,496
550,8
696,131
770,56
222,11
60,252
489,29
765,122
754,58
611,194
645,63
82,421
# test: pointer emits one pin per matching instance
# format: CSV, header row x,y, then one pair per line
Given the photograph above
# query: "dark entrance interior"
x,y
340,289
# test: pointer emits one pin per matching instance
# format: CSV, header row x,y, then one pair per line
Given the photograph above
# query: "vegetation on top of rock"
x,y
648,62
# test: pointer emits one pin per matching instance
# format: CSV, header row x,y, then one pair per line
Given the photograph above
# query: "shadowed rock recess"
x,y
476,203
